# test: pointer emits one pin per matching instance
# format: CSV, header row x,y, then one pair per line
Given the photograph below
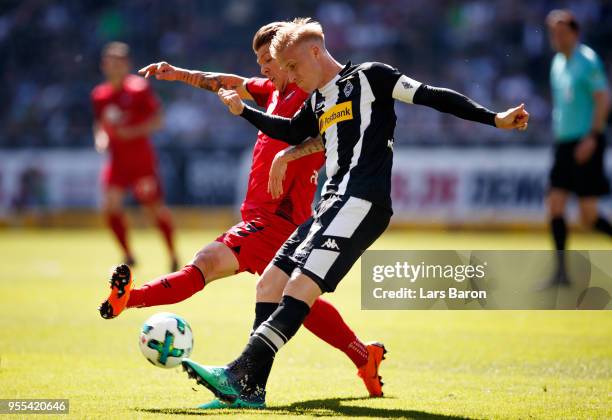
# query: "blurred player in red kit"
x,y
127,113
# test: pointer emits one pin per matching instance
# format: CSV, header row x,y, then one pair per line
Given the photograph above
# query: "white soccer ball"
x,y
166,339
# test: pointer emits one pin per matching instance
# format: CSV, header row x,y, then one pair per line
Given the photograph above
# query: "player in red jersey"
x,y
267,219
126,113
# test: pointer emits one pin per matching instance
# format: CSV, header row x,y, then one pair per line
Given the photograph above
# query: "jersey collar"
x,y
330,85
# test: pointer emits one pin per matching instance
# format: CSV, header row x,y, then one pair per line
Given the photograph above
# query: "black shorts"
x,y
586,180
326,246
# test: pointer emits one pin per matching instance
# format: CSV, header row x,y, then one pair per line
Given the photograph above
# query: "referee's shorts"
x,y
326,246
584,180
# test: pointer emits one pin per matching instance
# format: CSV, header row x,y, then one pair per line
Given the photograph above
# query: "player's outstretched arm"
x,y
278,169
449,101
199,79
290,130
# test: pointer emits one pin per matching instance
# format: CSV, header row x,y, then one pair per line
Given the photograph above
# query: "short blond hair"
x,y
296,31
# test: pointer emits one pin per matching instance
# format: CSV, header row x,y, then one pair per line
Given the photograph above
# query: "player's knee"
x,y
268,290
588,219
555,208
110,207
207,261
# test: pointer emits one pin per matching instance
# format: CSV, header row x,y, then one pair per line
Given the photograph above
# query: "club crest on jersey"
x,y
348,88
337,113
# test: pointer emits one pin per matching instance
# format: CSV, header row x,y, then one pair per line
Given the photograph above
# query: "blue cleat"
x,y
222,383
217,404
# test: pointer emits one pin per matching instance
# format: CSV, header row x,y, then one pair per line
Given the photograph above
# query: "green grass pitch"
x,y
441,364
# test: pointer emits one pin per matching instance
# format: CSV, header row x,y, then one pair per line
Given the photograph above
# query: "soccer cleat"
x,y
369,372
217,404
221,383
121,285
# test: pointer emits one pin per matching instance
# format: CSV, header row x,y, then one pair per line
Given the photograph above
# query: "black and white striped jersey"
x,y
356,119
354,114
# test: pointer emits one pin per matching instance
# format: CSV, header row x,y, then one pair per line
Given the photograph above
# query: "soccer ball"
x,y
166,339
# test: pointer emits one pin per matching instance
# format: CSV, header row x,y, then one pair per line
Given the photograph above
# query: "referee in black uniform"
x,y
580,111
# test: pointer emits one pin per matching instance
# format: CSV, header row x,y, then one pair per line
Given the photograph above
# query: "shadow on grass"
x,y
329,407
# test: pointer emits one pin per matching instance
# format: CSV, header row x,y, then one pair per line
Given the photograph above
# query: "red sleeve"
x,y
260,89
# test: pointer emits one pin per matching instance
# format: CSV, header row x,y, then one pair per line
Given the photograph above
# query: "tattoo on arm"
x,y
211,81
308,147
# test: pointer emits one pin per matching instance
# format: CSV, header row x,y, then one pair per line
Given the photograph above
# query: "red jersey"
x,y
300,182
132,104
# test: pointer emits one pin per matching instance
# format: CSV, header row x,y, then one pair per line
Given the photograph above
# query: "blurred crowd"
x,y
496,52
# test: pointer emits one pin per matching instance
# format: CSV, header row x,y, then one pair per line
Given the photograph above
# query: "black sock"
x,y
253,366
559,231
603,225
263,310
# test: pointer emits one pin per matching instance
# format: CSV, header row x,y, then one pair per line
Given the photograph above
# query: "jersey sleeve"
x,y
260,89
596,76
389,82
290,130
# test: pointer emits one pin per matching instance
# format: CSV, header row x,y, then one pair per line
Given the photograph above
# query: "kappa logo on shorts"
x,y
331,244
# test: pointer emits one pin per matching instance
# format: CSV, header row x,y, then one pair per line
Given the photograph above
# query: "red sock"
x,y
164,224
171,288
325,322
116,222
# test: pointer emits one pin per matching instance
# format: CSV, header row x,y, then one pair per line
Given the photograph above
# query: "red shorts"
x,y
256,239
144,182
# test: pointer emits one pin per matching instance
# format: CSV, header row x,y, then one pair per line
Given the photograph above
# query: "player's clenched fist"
x,y
232,100
513,118
161,71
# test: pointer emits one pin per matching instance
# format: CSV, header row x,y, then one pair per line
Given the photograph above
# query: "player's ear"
x,y
315,50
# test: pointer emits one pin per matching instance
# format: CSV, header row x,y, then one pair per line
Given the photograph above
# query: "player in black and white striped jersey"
x,y
351,108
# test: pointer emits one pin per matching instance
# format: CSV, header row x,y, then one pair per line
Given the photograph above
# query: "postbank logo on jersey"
x,y
337,113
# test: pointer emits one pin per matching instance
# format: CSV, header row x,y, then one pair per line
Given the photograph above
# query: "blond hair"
x,y
296,31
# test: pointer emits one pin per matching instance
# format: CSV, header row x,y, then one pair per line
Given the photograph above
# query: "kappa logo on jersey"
x,y
319,106
348,88
337,113
331,244
390,143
